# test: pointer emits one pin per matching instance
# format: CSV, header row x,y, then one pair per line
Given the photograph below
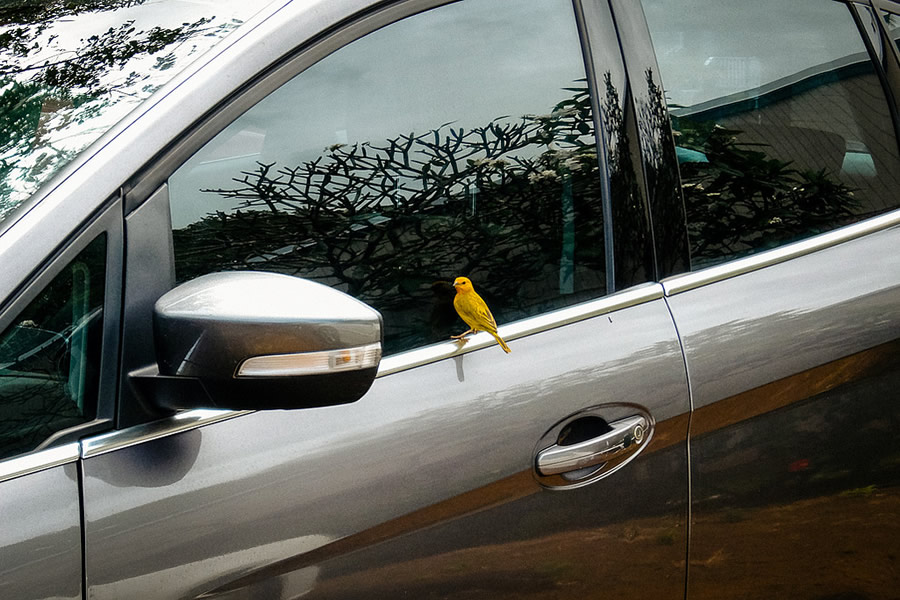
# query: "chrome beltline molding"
x,y
39,461
519,329
117,440
689,281
193,419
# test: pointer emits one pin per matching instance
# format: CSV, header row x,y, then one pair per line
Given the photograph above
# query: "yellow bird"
x,y
474,311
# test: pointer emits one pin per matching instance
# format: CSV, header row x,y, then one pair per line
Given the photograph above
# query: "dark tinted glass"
x,y
50,356
458,142
781,125
653,144
892,23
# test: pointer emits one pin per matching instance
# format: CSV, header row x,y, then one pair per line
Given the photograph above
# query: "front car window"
x,y
457,142
70,70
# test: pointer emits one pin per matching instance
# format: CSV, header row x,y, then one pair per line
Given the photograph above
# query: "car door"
x,y
395,150
788,161
57,364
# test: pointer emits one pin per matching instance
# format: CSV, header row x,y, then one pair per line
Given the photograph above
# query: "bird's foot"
x,y
462,335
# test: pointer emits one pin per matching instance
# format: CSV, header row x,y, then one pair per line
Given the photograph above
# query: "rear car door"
x,y
785,134
396,149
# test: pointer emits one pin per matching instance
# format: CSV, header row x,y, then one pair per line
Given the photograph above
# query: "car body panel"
x,y
438,456
794,454
41,557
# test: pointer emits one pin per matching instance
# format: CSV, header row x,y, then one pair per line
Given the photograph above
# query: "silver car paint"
x,y
41,557
211,504
794,376
790,317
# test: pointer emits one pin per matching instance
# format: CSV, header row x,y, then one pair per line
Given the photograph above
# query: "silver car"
x,y
231,361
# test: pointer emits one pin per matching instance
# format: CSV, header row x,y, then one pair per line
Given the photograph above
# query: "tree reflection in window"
x,y
740,200
776,142
514,204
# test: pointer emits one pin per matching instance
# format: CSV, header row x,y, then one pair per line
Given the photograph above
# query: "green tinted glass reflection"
x,y
50,356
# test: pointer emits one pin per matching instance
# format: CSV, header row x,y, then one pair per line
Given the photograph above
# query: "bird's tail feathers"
x,y
501,342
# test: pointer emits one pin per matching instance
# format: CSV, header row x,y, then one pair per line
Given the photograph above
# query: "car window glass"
x,y
781,125
457,142
50,356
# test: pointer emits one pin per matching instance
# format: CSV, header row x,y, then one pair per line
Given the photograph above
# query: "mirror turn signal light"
x,y
312,363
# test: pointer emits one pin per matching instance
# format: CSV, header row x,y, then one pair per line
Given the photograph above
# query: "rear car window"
x,y
70,70
782,128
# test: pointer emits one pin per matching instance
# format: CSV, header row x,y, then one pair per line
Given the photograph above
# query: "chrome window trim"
x,y
125,438
689,281
519,329
188,420
39,461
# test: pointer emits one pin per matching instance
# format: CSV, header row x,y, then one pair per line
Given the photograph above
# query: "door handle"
x,y
622,438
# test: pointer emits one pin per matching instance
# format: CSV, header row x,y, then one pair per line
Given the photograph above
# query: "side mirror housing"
x,y
251,340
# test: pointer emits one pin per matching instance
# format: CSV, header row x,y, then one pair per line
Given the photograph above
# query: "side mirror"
x,y
252,340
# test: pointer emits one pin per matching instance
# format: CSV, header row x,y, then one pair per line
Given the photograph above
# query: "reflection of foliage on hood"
x,y
384,222
79,69
46,88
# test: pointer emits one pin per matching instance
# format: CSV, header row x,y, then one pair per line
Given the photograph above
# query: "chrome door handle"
x,y
625,434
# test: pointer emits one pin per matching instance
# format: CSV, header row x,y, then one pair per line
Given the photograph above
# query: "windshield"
x,y
70,69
